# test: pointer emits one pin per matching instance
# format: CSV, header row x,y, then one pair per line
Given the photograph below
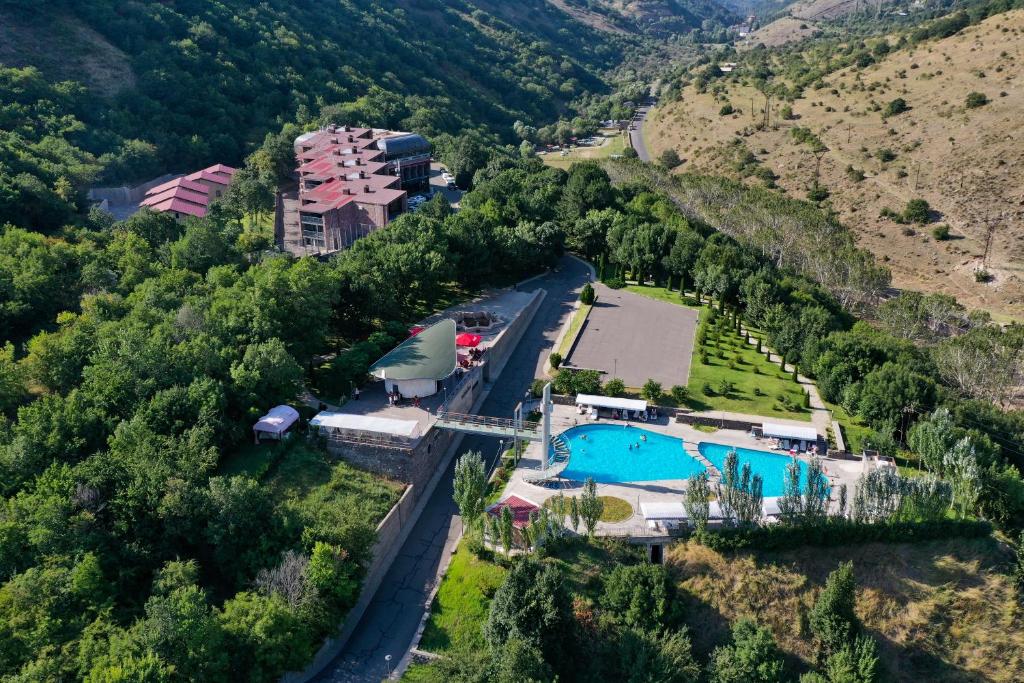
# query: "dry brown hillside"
x,y
968,163
940,611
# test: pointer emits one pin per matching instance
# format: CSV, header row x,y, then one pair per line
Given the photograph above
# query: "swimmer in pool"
x,y
643,437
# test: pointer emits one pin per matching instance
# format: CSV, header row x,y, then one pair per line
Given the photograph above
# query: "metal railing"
x,y
499,424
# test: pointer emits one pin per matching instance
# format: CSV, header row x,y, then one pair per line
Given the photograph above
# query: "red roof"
x,y
178,182
209,176
200,198
181,206
521,509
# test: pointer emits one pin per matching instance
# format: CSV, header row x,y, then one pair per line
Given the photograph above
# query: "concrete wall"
x,y
509,339
125,194
414,464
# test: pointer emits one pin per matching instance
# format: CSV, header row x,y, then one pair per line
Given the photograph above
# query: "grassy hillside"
x,y
941,611
657,17
965,162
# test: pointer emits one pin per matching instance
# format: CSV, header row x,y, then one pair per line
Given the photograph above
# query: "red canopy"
x,y
467,339
413,331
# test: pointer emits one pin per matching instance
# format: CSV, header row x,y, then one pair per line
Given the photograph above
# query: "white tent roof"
x,y
365,423
662,510
611,402
787,432
277,420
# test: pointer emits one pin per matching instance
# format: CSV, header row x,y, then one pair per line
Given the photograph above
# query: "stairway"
x,y
557,462
691,450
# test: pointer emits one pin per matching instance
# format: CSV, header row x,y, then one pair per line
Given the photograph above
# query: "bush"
x,y
854,174
838,531
703,357
669,159
571,382
555,359
652,391
587,295
615,283
706,388
818,193
982,275
758,391
679,393
885,155
537,387
897,106
725,387
726,110
975,100
917,211
941,232
614,387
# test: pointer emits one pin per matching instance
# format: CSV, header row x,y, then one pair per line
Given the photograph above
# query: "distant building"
x,y
190,195
352,181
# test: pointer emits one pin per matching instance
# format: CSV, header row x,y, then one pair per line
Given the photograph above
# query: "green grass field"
x,y
461,605
739,379
578,318
615,144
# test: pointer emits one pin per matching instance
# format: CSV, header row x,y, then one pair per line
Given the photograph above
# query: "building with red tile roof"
x,y
190,195
520,507
350,185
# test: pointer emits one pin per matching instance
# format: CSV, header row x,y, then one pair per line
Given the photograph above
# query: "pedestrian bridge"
x,y
490,426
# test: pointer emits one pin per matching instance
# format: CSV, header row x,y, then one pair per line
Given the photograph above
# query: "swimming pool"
x,y
603,452
771,466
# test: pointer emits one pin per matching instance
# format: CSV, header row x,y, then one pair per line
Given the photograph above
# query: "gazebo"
x,y
414,367
275,423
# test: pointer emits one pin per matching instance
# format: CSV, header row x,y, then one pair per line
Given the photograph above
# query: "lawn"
x,y
330,493
615,143
462,601
615,509
578,318
251,460
853,430
736,377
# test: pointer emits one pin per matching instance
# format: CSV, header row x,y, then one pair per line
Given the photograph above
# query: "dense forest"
x,y
197,82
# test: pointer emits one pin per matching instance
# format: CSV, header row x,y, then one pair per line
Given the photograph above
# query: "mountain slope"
x,y
968,163
166,86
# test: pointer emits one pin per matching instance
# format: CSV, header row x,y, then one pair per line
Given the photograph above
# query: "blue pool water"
x,y
771,466
602,452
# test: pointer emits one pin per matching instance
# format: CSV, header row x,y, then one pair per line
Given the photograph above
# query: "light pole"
x,y
387,660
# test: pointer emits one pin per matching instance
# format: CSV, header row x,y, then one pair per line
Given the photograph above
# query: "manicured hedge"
x,y
834,532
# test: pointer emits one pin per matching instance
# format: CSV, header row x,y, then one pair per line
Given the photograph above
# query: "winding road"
x,y
392,618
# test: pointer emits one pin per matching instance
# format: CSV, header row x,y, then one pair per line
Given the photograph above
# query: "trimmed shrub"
x,y
614,387
587,295
838,531
679,393
615,283
555,359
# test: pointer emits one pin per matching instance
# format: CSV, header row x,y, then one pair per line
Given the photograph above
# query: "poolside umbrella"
x,y
467,339
413,331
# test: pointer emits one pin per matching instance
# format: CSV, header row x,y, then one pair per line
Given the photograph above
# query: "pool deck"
x,y
669,490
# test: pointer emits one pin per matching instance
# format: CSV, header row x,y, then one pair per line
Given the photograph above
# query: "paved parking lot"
x,y
636,338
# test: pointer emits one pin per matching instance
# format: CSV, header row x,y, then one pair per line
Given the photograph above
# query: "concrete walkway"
x,y
391,620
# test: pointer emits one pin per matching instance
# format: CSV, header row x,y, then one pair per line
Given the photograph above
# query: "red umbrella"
x,y
413,331
467,339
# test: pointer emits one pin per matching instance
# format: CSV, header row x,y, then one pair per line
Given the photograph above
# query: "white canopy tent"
x,y
779,431
275,423
611,402
662,511
364,423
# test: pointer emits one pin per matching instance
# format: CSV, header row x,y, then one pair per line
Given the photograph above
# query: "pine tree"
x,y
833,620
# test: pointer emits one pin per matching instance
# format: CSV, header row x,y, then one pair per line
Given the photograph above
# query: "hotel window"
x,y
313,230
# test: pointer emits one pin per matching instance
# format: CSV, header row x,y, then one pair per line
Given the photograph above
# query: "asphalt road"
x,y
637,136
391,620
